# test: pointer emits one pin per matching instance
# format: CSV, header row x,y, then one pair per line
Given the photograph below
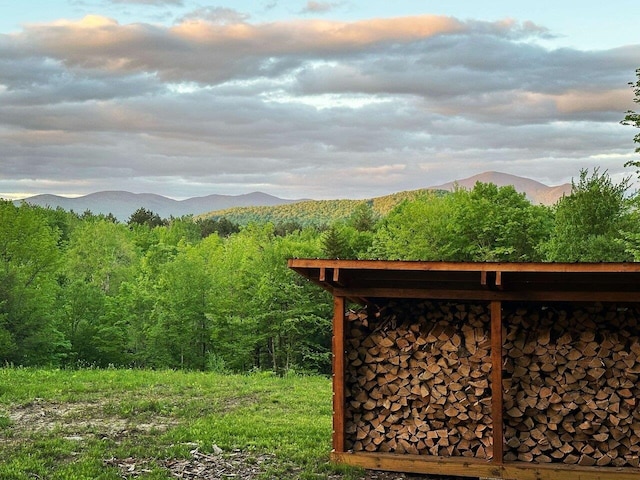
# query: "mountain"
x,y
321,212
536,192
259,206
123,204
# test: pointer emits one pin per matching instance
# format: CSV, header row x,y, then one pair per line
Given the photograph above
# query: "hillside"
x,y
313,212
318,212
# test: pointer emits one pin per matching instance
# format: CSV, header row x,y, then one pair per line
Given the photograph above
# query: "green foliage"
x,y
334,243
29,257
102,254
633,118
491,223
222,226
142,216
363,218
488,223
315,213
592,222
87,291
417,230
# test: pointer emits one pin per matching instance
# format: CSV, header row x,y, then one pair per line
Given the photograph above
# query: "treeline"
x,y
212,295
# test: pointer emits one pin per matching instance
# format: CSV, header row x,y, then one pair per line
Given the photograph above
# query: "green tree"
x,y
491,223
335,243
222,226
416,230
591,222
182,334
293,317
487,223
363,218
633,118
237,339
180,230
29,259
101,255
142,216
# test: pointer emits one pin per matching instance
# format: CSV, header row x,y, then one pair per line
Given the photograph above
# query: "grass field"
x,y
114,424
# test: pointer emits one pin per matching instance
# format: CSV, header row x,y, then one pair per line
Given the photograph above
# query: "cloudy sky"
x,y
310,99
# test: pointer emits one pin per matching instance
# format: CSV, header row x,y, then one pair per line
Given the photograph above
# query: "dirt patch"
x,y
81,420
75,421
200,466
235,465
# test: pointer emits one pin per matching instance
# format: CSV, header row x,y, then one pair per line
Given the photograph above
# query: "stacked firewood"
x,y
571,384
417,379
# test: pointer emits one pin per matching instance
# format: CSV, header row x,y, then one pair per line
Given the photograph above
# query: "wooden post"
x,y
496,382
338,373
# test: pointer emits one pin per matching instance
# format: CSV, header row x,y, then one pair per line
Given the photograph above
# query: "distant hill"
x,y
536,192
318,212
261,207
313,212
123,204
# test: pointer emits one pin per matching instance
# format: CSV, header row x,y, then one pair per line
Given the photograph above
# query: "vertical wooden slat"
x,y
338,373
496,381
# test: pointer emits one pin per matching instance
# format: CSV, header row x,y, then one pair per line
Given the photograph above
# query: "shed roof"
x,y
369,281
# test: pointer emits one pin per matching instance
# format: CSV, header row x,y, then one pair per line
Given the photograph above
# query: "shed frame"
x,y
374,281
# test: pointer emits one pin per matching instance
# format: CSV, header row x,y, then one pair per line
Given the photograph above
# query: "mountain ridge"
x,y
536,192
122,204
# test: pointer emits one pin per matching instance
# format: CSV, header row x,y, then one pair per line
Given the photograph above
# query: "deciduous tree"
x,y
591,222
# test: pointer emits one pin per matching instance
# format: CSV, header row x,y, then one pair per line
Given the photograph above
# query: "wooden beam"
x,y
496,382
469,467
499,280
338,348
610,267
445,294
461,466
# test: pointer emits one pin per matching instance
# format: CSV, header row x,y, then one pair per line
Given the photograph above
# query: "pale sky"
x,y
310,99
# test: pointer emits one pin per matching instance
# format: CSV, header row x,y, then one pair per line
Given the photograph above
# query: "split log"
x,y
418,380
568,373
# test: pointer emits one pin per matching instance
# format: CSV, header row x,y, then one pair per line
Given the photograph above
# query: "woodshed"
x,y
502,370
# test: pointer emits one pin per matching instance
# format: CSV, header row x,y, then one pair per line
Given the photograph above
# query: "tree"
x,y
334,243
416,230
491,223
101,255
591,222
183,331
633,118
488,223
222,226
29,259
142,216
363,218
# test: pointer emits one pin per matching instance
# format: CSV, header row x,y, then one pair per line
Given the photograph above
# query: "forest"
x,y
83,290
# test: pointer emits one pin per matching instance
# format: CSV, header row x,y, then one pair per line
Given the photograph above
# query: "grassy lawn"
x,y
114,424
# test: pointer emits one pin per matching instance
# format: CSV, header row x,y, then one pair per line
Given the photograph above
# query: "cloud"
x,y
216,15
319,7
150,2
301,108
